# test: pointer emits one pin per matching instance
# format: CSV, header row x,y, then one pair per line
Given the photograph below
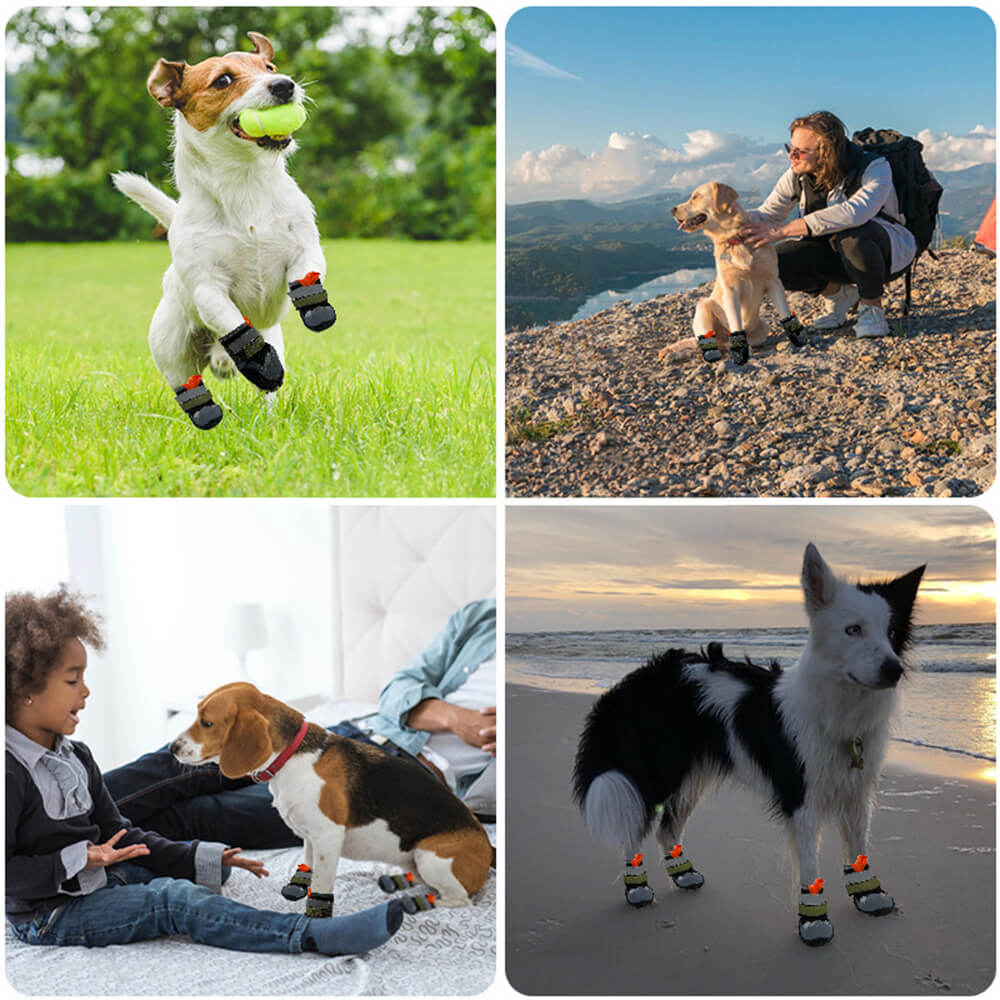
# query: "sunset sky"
x,y
603,567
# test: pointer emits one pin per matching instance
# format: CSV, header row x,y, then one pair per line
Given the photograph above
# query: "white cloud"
x,y
956,152
632,165
516,56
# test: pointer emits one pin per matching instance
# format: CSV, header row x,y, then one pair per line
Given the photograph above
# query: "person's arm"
x,y
199,861
477,727
779,204
861,207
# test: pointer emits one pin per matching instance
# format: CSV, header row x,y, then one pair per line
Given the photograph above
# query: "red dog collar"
x,y
267,773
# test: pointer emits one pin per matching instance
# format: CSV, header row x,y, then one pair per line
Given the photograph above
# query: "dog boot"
x,y
797,333
865,890
255,359
196,401
709,347
815,928
637,890
309,297
298,885
739,347
419,904
319,904
354,933
393,883
681,870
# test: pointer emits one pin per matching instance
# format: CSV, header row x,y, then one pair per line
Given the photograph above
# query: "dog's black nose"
x,y
890,672
282,88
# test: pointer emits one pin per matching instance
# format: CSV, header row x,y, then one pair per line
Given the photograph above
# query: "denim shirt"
x,y
467,640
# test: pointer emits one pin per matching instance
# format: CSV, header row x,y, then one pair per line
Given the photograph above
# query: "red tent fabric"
x,y
986,236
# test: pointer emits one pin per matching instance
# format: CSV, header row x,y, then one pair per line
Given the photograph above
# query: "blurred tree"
x,y
391,130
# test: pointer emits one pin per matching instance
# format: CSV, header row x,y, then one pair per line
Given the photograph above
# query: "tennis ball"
x,y
272,122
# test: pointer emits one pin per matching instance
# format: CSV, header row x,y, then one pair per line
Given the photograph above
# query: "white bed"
x,y
403,571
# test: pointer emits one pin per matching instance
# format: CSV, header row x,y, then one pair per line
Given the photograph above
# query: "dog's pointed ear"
x,y
248,744
164,82
724,197
261,45
818,582
901,594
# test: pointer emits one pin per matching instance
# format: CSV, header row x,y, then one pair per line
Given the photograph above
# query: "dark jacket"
x,y
36,879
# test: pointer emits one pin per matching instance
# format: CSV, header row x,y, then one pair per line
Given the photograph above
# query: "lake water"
x,y
950,704
676,281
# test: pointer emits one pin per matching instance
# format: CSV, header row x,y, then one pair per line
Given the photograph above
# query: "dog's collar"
x,y
857,750
267,773
733,241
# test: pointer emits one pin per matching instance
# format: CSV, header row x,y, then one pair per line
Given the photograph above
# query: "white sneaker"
x,y
838,306
871,322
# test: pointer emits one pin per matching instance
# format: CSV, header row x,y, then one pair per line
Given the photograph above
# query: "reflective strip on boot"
x,y
680,869
865,890
193,394
637,890
709,348
795,330
393,883
319,904
814,925
811,901
307,295
419,904
739,347
242,343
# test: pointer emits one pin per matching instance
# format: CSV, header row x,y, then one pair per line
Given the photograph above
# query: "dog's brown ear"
x,y
164,82
261,46
248,745
724,197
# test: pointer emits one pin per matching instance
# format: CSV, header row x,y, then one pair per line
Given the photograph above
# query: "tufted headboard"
x,y
400,573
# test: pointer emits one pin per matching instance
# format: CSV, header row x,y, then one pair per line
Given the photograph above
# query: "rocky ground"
x,y
592,412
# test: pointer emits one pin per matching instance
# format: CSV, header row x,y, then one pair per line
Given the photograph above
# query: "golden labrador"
x,y
731,314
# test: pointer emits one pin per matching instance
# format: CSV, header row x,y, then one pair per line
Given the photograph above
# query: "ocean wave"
x,y
947,749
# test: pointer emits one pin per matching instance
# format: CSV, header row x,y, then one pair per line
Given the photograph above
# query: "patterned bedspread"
x,y
445,951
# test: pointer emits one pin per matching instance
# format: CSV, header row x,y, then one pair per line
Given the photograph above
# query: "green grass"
x,y
396,400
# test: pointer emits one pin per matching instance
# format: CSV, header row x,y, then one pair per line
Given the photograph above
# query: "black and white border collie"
x,y
811,740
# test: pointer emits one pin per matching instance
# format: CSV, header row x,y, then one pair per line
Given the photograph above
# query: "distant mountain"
x,y
967,196
562,251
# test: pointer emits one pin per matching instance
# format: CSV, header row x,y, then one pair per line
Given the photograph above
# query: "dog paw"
x,y
221,364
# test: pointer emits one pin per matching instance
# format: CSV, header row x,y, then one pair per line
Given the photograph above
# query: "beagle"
x,y
342,797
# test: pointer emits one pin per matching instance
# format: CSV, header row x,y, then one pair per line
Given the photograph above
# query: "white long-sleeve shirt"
x,y
876,194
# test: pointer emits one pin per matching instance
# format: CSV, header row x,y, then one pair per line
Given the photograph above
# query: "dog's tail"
x,y
146,195
614,811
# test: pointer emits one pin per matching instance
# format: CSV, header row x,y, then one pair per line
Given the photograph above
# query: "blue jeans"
x,y
137,905
158,793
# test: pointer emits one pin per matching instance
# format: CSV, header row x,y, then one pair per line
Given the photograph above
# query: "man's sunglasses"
x,y
796,154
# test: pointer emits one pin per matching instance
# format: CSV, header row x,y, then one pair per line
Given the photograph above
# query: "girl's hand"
x,y
102,855
230,859
758,234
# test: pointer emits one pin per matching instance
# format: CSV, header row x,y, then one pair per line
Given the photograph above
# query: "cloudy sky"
x,y
679,566
609,103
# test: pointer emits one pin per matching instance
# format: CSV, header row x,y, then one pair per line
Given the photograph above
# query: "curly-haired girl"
x,y
851,239
77,872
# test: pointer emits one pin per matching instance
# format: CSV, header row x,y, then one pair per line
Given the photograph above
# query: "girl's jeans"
x,y
137,905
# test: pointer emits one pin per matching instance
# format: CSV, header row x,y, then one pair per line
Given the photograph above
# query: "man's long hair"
x,y
832,136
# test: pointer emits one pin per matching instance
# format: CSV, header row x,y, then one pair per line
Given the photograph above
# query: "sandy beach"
x,y
569,930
